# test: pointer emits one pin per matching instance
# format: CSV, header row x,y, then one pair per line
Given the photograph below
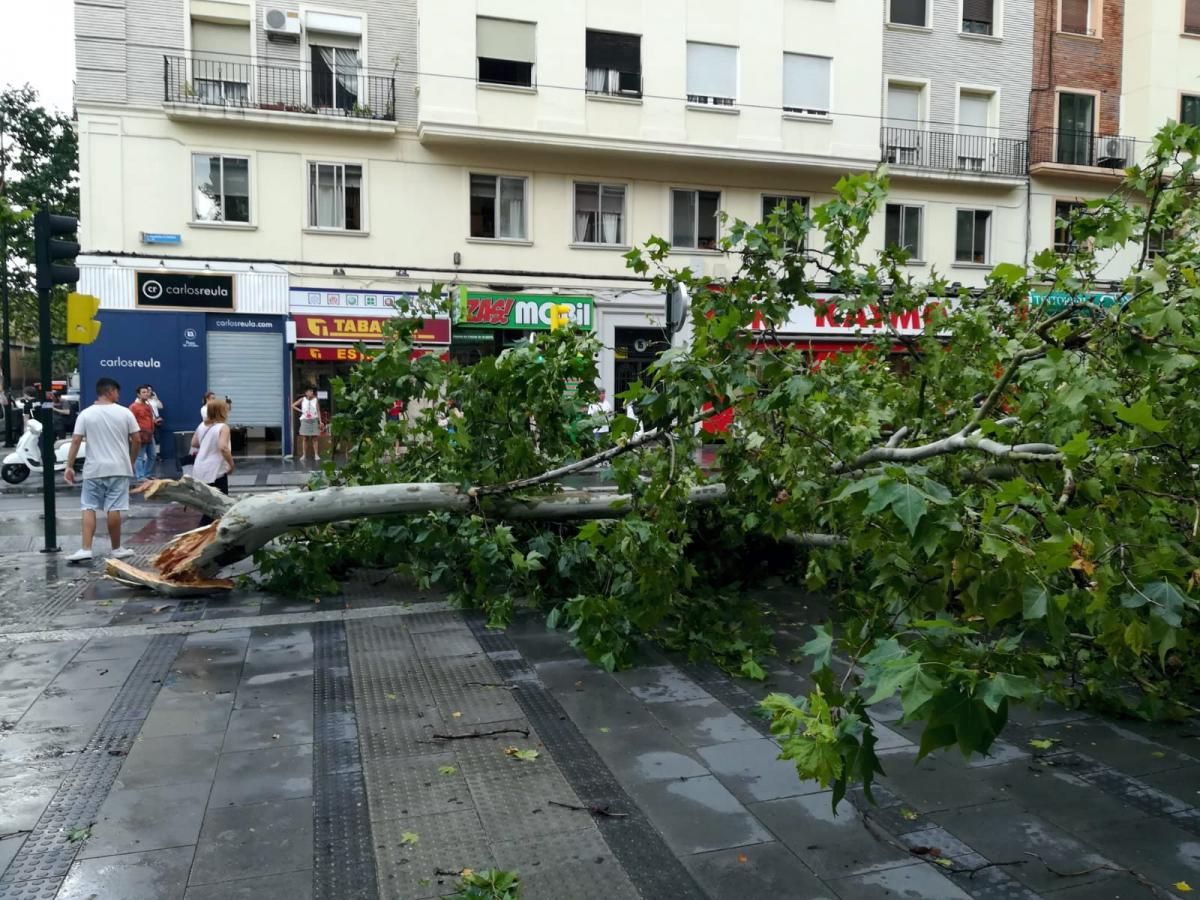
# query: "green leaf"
x,y
885,493
1036,599
1141,415
409,838
1043,743
751,669
996,689
447,770
1077,448
523,755
1009,273
909,506
820,648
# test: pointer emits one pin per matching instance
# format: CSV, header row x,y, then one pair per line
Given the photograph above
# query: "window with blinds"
x,y
908,12
978,16
221,63
1075,17
711,74
506,51
806,84
1191,16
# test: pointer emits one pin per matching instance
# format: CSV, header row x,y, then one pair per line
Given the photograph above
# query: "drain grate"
x,y
44,859
343,861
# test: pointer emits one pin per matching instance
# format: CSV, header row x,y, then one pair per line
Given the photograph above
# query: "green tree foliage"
x,y
39,162
1013,501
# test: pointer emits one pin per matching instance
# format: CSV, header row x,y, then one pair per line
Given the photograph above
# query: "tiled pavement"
x,y
298,760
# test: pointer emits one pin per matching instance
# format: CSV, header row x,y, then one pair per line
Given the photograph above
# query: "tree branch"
x,y
955,443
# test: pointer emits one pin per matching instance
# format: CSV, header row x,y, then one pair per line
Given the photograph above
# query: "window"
x,y
221,189
806,84
1189,109
978,16
506,51
1075,17
1064,241
335,77
974,116
220,63
1191,17
1157,245
908,12
903,229
1076,118
711,74
904,126
599,214
498,207
694,219
335,196
614,63
772,202
972,236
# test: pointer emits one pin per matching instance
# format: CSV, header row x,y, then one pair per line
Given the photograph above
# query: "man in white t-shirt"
x,y
111,432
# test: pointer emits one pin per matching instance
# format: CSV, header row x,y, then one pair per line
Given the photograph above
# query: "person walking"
x,y
213,449
113,440
159,406
144,413
209,396
310,422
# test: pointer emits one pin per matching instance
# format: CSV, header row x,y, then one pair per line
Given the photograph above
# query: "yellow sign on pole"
x,y
82,327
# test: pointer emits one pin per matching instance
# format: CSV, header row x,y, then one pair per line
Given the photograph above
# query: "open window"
x,y
614,63
506,51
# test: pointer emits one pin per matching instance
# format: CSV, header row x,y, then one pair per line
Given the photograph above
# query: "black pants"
x,y
222,485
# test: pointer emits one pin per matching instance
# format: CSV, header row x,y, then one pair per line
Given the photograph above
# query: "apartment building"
x,y
264,181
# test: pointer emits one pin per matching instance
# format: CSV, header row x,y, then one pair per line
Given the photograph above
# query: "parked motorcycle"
x,y
27,457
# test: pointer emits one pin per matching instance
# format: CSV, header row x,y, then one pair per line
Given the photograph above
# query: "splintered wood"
x,y
135,577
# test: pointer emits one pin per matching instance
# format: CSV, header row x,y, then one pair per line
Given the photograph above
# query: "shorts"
x,y
109,494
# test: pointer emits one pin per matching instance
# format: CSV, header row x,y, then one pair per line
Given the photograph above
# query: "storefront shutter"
x,y
248,369
505,39
977,10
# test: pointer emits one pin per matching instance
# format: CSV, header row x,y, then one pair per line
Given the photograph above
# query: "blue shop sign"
x,y
1057,300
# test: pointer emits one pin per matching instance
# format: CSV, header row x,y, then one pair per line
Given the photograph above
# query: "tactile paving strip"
x,y
48,851
343,863
639,849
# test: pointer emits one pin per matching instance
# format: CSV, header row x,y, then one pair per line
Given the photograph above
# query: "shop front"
x,y
334,330
187,331
485,322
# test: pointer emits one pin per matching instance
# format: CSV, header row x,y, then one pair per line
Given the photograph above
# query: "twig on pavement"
x,y
595,809
478,734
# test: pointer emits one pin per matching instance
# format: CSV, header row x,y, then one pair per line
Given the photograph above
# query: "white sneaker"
x,y
121,553
316,459
80,555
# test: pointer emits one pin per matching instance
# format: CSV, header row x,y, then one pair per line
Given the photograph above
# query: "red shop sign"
x,y
368,329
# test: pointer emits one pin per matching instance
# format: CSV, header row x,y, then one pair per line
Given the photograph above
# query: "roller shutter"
x,y
248,368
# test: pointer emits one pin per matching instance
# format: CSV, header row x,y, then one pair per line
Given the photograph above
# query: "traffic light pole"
x,y
46,353
10,436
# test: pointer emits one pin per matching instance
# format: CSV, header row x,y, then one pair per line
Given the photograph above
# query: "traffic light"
x,y
50,252
560,316
82,327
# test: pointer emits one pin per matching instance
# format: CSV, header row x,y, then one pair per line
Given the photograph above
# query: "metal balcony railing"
x,y
612,83
940,151
229,83
1082,148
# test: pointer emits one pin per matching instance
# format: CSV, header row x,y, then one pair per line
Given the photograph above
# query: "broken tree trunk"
x,y
191,560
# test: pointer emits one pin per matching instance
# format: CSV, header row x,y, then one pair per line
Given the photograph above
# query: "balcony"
x,y
1081,153
277,94
961,155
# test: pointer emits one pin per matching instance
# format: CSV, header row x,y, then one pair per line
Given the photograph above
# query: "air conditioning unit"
x,y
1114,152
281,22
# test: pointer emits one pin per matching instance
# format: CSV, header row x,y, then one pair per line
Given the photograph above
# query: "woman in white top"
x,y
214,458
310,422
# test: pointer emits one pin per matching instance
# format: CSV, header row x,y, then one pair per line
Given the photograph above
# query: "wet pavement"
x,y
376,743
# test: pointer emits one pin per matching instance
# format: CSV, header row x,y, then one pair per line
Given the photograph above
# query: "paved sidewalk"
x,y
377,743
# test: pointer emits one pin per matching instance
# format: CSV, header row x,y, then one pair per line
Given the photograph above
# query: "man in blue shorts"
x,y
112,435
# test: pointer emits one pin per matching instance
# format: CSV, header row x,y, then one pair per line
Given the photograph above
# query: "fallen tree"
x,y
1003,504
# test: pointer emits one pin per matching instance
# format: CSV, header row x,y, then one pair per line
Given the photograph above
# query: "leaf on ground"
x,y
75,835
909,815
743,858
1183,887
390,696
1158,754
944,863
605,730
523,755
456,714
409,838
1044,743
447,770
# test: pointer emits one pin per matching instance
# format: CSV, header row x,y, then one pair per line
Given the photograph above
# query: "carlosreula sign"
x,y
518,312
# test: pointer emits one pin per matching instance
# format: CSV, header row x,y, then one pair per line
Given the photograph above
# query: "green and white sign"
x,y
518,312
1056,300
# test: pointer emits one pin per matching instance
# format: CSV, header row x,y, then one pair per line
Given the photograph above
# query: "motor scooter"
x,y
27,457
